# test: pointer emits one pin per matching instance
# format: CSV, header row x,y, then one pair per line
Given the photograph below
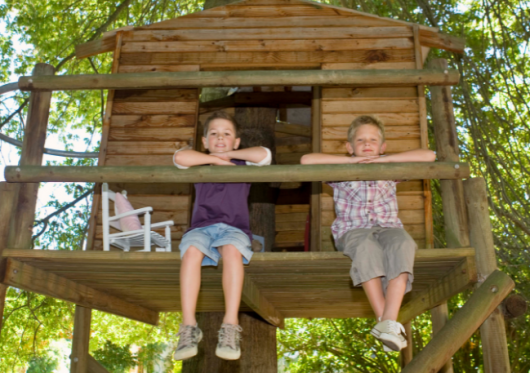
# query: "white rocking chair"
x,y
136,238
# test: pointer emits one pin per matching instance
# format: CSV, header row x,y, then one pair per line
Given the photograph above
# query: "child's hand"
x,y
223,156
362,159
221,162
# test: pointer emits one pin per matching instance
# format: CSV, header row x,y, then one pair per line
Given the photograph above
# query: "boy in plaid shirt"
x,y
368,230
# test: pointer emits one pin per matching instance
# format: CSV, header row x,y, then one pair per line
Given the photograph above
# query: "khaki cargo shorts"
x,y
378,252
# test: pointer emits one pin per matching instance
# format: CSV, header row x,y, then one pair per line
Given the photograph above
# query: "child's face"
x,y
367,142
221,136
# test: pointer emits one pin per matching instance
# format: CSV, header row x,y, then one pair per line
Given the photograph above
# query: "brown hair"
x,y
361,121
220,115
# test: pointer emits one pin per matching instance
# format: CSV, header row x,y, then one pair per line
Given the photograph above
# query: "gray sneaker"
x,y
228,347
190,336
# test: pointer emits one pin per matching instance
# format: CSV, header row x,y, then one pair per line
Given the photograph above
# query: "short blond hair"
x,y
361,121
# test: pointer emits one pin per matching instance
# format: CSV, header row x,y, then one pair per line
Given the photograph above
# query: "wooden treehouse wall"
x,y
145,127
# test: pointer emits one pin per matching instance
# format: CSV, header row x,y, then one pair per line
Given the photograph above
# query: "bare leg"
x,y
394,296
190,283
233,275
374,291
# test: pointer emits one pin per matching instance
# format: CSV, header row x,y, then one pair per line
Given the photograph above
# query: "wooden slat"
x,y
157,68
369,65
197,22
144,147
282,10
370,106
288,209
257,58
155,108
131,121
260,66
157,202
156,95
396,92
261,45
151,134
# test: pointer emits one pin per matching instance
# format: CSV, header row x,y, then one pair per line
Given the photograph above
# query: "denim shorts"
x,y
208,239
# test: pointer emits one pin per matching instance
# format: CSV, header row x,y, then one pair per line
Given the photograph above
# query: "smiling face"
x,y
221,136
367,142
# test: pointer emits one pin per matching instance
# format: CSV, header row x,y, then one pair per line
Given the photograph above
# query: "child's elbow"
x,y
306,159
431,156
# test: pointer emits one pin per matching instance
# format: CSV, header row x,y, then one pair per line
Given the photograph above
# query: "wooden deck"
x,y
277,285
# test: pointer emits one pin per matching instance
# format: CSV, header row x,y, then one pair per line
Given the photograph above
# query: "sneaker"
x,y
228,347
190,336
391,333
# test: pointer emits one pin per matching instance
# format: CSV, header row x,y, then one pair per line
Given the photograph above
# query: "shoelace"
x,y
228,335
186,335
397,327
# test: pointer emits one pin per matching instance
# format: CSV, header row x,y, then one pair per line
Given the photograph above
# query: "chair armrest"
x,y
141,211
168,223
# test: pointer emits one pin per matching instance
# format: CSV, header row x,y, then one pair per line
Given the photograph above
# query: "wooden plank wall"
x,y
147,126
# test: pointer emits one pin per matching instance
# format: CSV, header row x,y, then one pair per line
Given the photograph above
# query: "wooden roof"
x,y
291,18
277,285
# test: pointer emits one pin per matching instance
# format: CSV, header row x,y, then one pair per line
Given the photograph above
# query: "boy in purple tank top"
x,y
220,227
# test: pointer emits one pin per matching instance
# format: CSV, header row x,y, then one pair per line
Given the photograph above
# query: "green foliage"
x,y
117,359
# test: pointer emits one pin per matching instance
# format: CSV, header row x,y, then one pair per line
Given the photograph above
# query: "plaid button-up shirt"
x,y
364,204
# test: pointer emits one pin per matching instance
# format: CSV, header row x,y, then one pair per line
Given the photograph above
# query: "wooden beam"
x,y
454,282
454,209
220,174
442,41
199,79
80,340
253,298
95,47
26,277
316,187
32,153
93,366
258,99
492,332
462,325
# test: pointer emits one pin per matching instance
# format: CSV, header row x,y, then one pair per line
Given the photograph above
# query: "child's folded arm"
x,y
417,155
255,156
321,158
185,158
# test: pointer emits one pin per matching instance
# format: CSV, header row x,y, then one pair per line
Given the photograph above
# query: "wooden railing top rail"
x,y
226,174
196,79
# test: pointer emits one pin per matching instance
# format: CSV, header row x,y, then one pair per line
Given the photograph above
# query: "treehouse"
x,y
299,73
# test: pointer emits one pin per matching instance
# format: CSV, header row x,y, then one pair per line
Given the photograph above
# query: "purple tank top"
x,y
222,203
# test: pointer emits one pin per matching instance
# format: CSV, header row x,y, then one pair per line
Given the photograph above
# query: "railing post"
x,y
80,340
316,187
492,331
7,195
455,215
32,153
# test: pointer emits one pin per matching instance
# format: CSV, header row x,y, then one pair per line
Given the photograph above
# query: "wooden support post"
x,y
32,152
455,215
79,357
462,325
492,332
316,187
227,174
7,196
258,348
407,353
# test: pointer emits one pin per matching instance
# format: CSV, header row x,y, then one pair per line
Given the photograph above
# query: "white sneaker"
x,y
190,336
391,333
229,347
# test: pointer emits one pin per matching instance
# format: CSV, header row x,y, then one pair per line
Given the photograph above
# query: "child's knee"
x,y
192,253
229,252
